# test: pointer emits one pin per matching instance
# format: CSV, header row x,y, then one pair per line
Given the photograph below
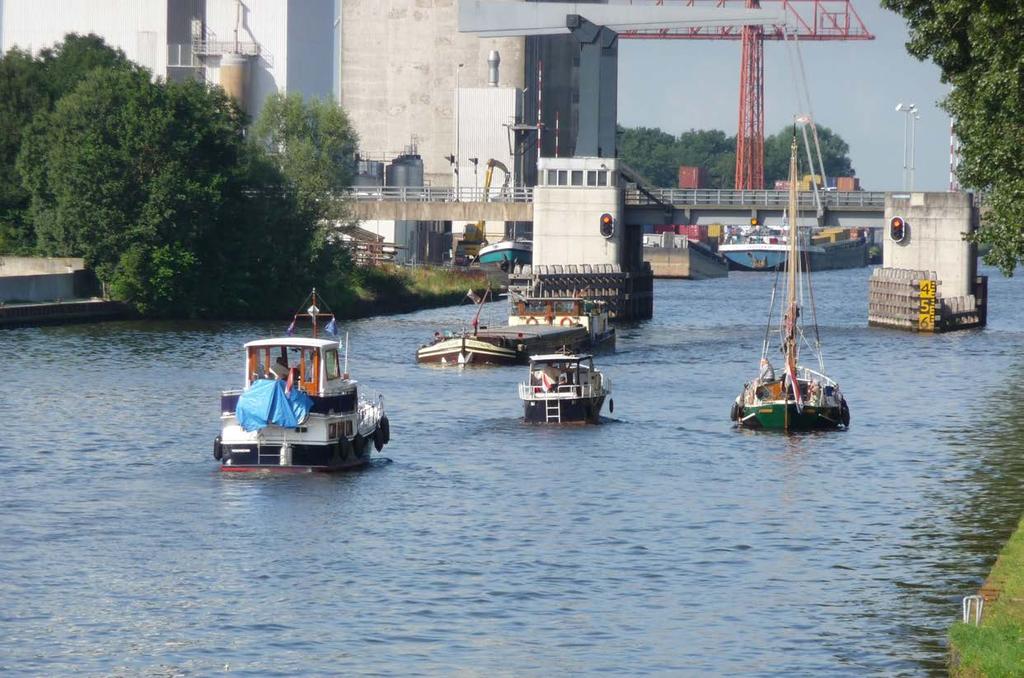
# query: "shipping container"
x,y
697,232
664,228
692,177
715,231
847,184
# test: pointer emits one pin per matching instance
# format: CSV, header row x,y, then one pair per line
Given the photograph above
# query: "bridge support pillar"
x,y
582,245
928,281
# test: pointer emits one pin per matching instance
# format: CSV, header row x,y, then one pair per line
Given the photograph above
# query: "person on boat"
x,y
767,371
279,369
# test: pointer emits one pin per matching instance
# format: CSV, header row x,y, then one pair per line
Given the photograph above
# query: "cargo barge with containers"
x,y
831,249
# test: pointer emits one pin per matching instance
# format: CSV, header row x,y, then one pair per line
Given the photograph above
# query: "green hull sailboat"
x,y
801,399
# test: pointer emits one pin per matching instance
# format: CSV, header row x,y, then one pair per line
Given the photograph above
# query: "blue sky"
x,y
854,87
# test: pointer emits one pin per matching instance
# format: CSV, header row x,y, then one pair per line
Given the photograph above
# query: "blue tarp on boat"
x,y
265,403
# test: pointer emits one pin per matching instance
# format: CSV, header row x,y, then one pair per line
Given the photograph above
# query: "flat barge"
x,y
503,345
535,326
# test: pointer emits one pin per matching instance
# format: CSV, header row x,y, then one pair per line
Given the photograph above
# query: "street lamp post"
x,y
910,111
458,102
913,146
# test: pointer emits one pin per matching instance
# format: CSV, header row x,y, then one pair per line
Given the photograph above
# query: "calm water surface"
x,y
662,542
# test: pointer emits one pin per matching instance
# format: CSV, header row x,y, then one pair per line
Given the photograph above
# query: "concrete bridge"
x,y
642,206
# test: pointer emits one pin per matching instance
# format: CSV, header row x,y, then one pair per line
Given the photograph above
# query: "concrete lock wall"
x,y
46,287
566,225
934,240
39,265
567,211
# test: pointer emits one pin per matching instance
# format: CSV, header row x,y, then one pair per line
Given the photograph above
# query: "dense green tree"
x,y
712,150
23,91
657,155
314,145
834,155
651,152
29,85
978,48
154,185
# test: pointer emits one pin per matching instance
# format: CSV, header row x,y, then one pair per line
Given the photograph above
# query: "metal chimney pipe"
x,y
493,59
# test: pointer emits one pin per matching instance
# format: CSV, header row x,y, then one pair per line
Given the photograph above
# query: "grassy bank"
x,y
394,289
996,648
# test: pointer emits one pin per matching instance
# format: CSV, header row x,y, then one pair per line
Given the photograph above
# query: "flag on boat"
x,y
331,327
472,295
546,381
291,328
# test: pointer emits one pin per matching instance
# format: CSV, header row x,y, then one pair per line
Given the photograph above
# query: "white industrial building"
x,y
267,46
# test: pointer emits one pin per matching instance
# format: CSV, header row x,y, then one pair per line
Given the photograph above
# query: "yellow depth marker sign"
x,y
926,309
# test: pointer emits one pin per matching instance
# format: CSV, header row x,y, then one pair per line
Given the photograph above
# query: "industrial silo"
x,y
234,78
406,171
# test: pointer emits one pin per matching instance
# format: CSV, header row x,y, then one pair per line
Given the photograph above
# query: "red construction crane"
x,y
814,19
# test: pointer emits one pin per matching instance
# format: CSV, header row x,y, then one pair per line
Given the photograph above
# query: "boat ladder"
x,y
553,410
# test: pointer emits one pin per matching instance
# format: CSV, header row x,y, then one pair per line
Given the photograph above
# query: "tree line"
x,y
657,155
180,206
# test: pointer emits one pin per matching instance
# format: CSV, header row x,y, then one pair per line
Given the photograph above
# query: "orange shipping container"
x,y
847,184
692,177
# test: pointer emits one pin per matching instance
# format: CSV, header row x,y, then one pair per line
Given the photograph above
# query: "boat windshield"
x,y
301,363
550,374
556,306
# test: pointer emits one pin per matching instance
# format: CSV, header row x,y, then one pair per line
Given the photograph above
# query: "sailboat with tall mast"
x,y
800,399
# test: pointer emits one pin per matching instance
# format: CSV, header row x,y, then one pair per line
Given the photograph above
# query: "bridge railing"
x,y
438,194
634,197
732,198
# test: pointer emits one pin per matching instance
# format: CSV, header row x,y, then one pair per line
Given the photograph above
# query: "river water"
x,y
661,542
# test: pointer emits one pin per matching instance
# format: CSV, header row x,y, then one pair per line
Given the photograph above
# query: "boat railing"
x,y
808,373
371,410
561,391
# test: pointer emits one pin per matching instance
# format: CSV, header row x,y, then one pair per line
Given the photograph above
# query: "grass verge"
x,y
395,289
996,647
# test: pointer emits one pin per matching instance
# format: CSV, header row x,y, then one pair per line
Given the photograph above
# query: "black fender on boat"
x,y
611,406
378,439
385,427
734,412
217,451
844,413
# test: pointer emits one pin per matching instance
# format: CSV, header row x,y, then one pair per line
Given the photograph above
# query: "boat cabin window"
x,y
555,374
332,367
546,306
280,362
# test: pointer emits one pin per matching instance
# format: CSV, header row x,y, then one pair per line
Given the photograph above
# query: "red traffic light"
x,y
897,229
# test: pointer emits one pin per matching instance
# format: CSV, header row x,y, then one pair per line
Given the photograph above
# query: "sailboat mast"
x,y
793,261
794,257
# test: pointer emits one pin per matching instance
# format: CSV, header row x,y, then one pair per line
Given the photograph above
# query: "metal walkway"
x,y
429,203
